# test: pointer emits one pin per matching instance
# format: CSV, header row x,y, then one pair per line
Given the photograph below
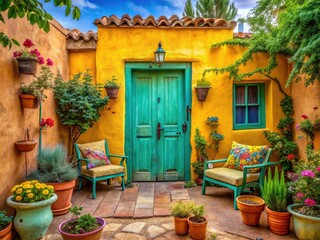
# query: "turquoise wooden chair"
x,y
236,180
98,173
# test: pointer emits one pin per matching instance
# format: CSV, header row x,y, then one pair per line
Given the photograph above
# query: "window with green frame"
x,y
249,106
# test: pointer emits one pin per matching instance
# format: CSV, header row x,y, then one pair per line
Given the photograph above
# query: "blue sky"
x,y
92,9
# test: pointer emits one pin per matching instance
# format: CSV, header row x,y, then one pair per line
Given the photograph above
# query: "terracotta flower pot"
x,y
112,92
202,93
251,208
29,101
27,65
279,222
26,145
94,235
316,141
181,226
5,234
197,231
64,192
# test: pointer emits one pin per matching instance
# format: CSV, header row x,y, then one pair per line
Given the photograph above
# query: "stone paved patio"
x,y
142,212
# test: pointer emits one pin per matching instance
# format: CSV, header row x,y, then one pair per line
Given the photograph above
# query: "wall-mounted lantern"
x,y
159,55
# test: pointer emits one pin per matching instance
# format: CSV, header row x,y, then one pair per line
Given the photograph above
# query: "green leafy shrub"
x,y
79,103
197,212
203,82
53,166
274,192
112,83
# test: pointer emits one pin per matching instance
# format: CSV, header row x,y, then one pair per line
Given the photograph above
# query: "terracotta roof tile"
x,y
162,21
242,35
75,34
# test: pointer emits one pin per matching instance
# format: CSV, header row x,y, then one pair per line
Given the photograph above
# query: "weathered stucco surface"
x,y
13,119
118,45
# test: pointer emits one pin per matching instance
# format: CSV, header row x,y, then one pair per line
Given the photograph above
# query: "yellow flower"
x,y
28,191
18,198
30,195
50,187
43,185
45,192
34,181
19,191
14,189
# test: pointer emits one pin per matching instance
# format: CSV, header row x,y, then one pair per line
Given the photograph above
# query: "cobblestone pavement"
x,y
142,212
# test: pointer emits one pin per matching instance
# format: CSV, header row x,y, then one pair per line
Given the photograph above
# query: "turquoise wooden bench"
x,y
98,173
236,180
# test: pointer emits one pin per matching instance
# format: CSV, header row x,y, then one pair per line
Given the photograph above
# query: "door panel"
x,y
158,98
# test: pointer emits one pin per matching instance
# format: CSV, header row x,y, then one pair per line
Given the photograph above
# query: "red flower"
x,y
47,122
35,52
49,62
17,54
41,60
28,43
304,116
291,157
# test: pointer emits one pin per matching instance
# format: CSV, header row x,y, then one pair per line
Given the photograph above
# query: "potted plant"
x,y
32,201
202,88
27,59
112,87
181,211
33,94
26,145
55,170
202,155
305,191
5,225
251,208
197,222
81,227
274,192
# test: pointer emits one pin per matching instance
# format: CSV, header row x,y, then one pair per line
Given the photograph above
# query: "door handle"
x,y
159,129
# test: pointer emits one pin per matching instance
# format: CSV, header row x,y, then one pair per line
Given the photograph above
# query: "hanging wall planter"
x,y
112,87
26,145
202,93
29,101
27,65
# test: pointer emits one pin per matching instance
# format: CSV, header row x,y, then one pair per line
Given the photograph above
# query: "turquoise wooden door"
x,y
158,115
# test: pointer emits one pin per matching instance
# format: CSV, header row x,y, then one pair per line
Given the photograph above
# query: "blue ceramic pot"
x,y
305,227
32,219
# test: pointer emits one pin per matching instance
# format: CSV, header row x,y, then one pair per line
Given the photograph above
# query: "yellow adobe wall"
x,y
304,100
13,120
119,45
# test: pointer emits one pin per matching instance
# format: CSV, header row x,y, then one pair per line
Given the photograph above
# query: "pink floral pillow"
x,y
96,157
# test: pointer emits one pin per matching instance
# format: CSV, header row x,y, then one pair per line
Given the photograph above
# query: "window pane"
x,y
252,94
240,94
240,115
253,114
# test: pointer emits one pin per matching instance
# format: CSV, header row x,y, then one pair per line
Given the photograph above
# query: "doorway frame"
x,y
186,67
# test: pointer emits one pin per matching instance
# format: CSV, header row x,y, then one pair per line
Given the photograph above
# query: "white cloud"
x,y
166,11
84,4
241,4
138,9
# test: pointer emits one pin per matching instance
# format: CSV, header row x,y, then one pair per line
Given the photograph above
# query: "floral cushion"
x,y
245,155
99,145
96,157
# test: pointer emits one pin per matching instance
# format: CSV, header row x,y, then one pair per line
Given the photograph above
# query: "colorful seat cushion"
x,y
99,145
231,176
245,155
102,170
96,158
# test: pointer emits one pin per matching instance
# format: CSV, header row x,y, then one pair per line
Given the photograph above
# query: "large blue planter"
x,y
305,227
32,219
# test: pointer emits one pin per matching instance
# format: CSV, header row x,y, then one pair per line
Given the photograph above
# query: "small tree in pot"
x,y
197,222
181,211
274,192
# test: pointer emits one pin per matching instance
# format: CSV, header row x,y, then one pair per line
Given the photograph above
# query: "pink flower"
x,y
300,195
318,169
304,116
298,126
35,52
310,202
308,173
49,62
291,157
28,43
17,54
41,60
